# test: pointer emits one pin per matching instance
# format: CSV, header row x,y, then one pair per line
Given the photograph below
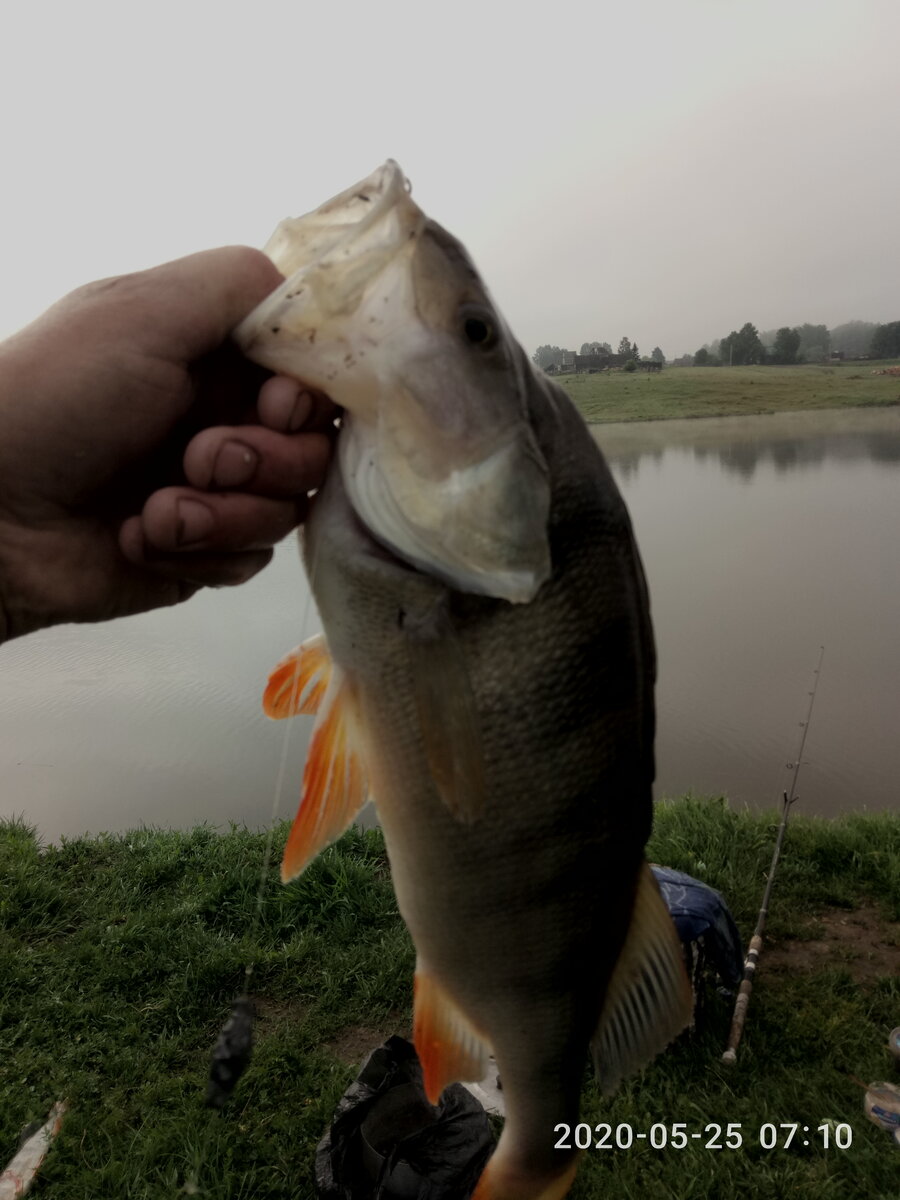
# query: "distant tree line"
x,y
886,341
747,346
557,356
798,344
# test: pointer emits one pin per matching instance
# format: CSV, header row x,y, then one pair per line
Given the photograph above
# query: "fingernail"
x,y
300,411
234,465
195,522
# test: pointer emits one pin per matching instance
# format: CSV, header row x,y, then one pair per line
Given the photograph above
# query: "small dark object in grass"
x,y
29,1131
231,1054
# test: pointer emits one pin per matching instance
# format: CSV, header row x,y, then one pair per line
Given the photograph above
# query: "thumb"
x,y
196,301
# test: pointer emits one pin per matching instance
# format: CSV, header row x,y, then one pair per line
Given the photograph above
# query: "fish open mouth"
x,y
437,457
330,258
305,242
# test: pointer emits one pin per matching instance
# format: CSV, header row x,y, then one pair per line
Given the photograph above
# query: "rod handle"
x,y
742,1002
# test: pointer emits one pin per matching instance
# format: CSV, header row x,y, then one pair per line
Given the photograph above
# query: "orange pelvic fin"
x,y
334,780
298,683
449,1049
501,1181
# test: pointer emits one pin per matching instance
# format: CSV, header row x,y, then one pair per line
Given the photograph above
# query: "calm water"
x,y
762,538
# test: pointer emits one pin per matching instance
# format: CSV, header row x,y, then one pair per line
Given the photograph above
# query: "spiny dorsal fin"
x,y
649,1000
449,1049
298,682
448,718
335,777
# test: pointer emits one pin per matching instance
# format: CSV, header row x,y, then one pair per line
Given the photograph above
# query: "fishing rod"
x,y
756,942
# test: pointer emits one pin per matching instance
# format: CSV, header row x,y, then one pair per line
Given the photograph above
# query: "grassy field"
x,y
119,957
728,391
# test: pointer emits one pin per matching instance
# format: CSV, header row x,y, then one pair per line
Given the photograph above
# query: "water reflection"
x,y
787,454
787,441
763,538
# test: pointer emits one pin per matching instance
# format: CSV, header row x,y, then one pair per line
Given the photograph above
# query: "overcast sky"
x,y
663,169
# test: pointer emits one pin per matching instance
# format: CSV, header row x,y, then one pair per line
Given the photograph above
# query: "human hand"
x,y
121,489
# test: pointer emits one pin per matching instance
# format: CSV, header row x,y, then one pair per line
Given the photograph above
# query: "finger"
x,y
182,519
212,292
190,570
286,405
187,307
257,460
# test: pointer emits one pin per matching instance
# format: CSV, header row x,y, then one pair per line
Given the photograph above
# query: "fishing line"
x,y
234,1046
232,1051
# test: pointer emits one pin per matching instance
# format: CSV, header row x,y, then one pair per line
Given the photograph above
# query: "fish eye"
x,y
478,328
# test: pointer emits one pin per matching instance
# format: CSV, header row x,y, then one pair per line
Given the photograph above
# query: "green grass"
x,y
728,391
119,957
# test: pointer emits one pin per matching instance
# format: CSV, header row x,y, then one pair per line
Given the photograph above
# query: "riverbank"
x,y
120,955
729,391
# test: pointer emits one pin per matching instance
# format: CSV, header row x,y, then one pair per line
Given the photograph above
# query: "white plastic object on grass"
x,y
19,1175
882,1105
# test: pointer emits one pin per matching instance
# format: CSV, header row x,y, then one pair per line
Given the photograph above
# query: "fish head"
x,y
383,310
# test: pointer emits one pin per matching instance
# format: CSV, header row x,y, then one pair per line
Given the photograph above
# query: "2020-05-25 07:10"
x,y
828,1135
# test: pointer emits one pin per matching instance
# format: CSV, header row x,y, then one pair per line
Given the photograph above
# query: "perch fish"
x,y
486,673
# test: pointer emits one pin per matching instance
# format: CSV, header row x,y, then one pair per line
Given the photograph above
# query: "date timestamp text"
x,y
678,1135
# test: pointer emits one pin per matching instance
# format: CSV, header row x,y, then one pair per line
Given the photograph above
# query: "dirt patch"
x,y
352,1045
356,1042
861,941
273,1015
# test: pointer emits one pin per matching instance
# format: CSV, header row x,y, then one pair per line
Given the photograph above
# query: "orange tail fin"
x,y
502,1180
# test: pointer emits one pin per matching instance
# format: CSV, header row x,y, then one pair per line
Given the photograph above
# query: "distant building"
x,y
598,362
589,363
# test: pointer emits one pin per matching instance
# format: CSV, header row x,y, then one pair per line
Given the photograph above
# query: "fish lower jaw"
x,y
439,528
376,548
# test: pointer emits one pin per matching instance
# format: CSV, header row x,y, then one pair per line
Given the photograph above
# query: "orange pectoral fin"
x,y
334,780
298,682
448,1047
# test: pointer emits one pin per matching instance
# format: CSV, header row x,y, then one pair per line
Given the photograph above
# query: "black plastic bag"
x,y
387,1142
